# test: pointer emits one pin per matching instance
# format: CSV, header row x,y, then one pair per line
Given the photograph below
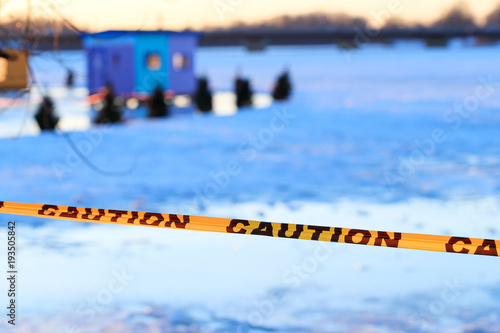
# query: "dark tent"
x,y
45,116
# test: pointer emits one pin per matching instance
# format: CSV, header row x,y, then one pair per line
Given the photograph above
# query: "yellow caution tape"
x,y
438,243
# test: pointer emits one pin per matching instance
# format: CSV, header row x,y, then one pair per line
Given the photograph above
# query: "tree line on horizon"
x,y
458,16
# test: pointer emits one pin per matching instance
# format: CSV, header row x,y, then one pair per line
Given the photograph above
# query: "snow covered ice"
x,y
355,147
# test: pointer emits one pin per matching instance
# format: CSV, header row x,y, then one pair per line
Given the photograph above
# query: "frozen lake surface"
x,y
397,138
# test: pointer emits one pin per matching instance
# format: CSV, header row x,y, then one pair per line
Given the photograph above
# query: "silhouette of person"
x,y
282,88
110,112
156,104
243,92
45,116
70,79
203,96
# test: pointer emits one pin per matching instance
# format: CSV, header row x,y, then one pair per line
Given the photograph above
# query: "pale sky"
x,y
179,14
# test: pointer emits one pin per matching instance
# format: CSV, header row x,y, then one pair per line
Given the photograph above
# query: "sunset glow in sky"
x,y
179,14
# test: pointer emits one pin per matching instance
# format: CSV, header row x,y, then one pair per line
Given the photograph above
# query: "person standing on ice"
x,y
110,112
203,96
70,79
243,92
45,116
282,88
156,104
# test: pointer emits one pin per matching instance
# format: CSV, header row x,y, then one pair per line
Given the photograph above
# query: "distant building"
x,y
136,62
13,73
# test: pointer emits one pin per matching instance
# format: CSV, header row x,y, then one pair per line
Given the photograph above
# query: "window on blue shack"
x,y
153,61
180,61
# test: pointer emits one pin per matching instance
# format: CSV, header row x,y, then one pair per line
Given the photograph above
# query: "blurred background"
x,y
380,115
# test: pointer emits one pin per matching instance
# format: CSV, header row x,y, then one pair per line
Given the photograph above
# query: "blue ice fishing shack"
x,y
135,62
